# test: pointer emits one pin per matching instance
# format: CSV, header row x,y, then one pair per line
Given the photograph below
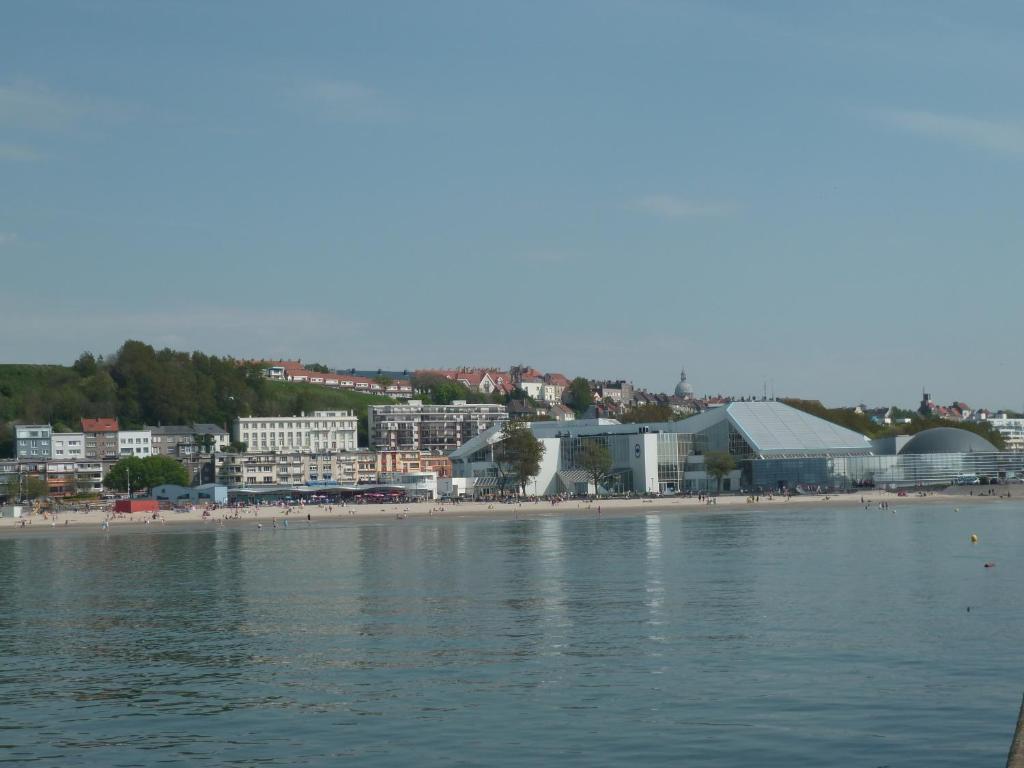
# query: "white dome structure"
x,y
683,388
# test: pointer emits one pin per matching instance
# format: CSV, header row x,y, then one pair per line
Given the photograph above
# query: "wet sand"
x,y
277,515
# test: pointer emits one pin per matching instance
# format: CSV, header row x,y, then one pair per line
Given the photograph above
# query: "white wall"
x,y
68,445
135,442
545,482
643,460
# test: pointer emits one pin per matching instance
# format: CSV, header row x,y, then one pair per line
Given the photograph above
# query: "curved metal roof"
x,y
948,440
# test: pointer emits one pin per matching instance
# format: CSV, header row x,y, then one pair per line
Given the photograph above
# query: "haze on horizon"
x,y
826,197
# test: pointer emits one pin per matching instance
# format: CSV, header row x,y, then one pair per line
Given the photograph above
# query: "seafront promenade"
x,y
268,516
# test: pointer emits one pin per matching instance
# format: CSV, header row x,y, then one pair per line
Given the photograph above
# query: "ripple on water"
x,y
772,639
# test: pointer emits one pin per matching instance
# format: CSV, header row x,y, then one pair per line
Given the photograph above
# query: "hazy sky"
x,y
824,195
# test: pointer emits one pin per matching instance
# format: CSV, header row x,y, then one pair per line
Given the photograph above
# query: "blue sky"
x,y
826,196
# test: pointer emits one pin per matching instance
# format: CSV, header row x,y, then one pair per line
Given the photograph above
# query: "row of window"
x,y
347,423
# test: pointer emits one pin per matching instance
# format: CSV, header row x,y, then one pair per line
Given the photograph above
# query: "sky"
x,y
824,199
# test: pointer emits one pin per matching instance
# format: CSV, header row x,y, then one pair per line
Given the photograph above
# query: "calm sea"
x,y
760,638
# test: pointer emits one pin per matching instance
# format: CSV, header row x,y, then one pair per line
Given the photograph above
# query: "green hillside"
x,y
140,385
860,422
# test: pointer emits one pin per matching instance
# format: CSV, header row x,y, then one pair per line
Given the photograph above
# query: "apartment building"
x,y
33,441
176,441
210,438
1012,431
64,477
404,462
187,440
295,468
135,442
436,428
68,446
319,431
101,438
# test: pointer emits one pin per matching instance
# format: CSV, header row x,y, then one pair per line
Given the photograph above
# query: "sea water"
x,y
765,637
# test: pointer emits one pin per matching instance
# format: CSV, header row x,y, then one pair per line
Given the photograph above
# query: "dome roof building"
x,y
947,440
683,388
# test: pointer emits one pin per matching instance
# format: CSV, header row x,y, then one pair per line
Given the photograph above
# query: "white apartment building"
x,y
135,442
68,445
315,432
295,468
1012,431
442,428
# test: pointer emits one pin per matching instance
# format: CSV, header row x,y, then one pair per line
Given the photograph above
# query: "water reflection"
x,y
808,638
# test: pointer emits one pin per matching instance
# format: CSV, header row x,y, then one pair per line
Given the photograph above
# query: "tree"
x,y
145,473
318,367
718,464
127,473
163,470
520,453
578,395
596,460
384,380
27,487
204,443
439,390
85,365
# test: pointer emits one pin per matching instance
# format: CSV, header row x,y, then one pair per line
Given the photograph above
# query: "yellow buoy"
x,y
974,538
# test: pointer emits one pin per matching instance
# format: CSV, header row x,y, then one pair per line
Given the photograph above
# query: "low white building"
x,y
315,432
68,445
422,485
135,442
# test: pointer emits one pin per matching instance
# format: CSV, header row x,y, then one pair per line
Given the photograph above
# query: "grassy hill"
x,y
140,385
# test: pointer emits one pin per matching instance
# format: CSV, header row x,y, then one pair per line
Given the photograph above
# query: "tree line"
x,y
140,385
861,422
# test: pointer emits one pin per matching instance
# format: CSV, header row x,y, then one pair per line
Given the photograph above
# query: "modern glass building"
x,y
774,447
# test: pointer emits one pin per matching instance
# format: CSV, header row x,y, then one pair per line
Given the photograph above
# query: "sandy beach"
x,y
270,516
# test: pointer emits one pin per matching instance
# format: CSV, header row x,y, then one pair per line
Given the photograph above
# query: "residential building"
x,y
1012,431
209,438
618,392
295,468
383,383
555,385
532,386
68,445
561,412
438,428
483,380
316,432
63,477
186,441
398,461
135,442
441,466
33,441
101,438
176,441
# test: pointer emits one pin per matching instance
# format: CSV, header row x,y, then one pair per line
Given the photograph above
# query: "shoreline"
x,y
91,522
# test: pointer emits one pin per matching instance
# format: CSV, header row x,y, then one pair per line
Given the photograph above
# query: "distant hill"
x,y
140,385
